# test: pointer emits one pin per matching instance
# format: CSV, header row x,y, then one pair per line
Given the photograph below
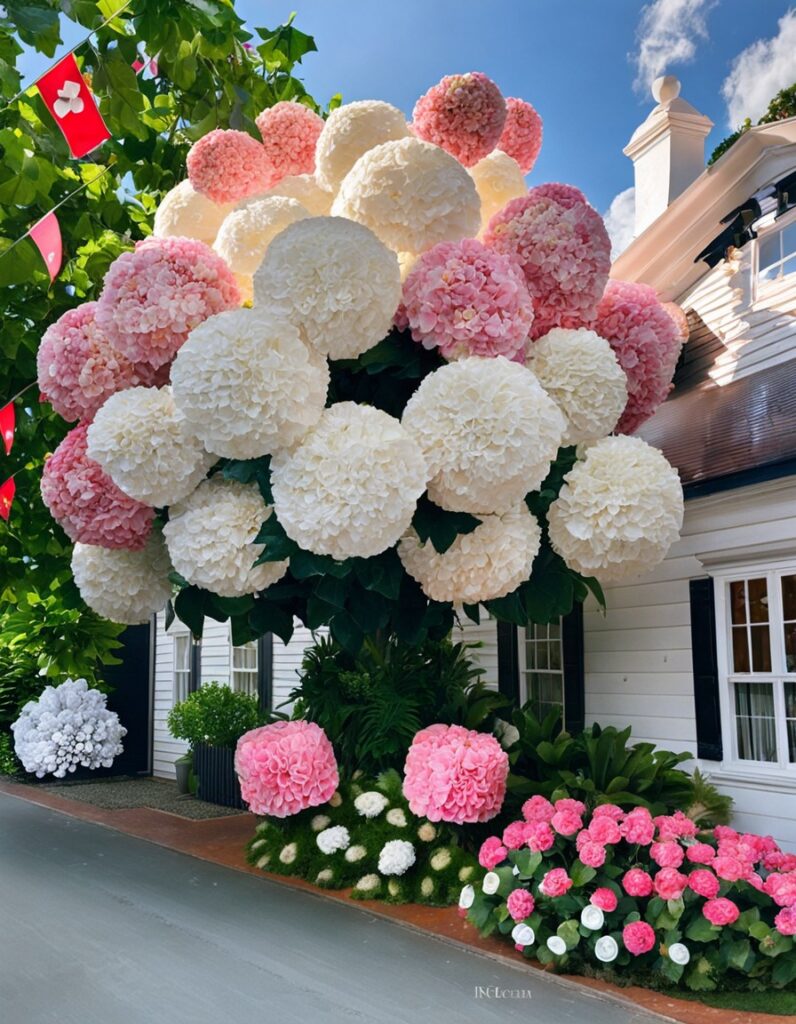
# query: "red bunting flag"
x,y
7,492
72,104
7,424
46,233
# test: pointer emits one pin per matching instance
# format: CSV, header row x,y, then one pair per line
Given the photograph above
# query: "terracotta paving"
x,y
222,841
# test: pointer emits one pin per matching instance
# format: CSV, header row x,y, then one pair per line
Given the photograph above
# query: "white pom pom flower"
x,y
350,488
245,235
488,430
488,563
498,179
186,213
210,537
619,511
247,384
68,727
350,131
123,586
304,188
335,281
370,804
143,442
412,194
396,857
579,370
333,839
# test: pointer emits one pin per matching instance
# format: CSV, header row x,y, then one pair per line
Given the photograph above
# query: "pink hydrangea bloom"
x,y
721,911
286,767
700,853
638,827
455,774
539,836
675,826
464,114
730,868
555,883
604,898
537,808
514,835
704,883
565,195
782,889
785,921
592,854
521,138
724,833
154,296
636,882
565,255
84,500
646,343
227,166
566,822
638,937
520,904
467,300
567,803
603,829
289,131
612,811
755,881
668,854
492,852
669,883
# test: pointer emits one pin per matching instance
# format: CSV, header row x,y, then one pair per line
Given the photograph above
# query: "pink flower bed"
x,y
464,114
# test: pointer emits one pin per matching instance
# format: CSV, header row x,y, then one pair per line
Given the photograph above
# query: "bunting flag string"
x,y
8,425
7,491
46,234
70,101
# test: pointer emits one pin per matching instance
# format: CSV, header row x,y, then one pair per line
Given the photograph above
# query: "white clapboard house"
x,y
700,654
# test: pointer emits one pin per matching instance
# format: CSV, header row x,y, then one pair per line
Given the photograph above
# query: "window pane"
x,y
530,654
554,630
541,656
555,654
758,601
769,250
790,646
761,649
789,597
789,240
790,719
740,649
754,717
788,267
738,601
182,652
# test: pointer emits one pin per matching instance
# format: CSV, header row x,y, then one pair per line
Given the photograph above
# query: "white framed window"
x,y
182,665
244,666
775,251
756,617
541,658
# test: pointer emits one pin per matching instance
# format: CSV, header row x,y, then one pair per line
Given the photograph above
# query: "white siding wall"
x,y
165,749
287,662
485,656
638,654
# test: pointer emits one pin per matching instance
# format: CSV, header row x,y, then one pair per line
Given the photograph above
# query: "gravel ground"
x,y
160,794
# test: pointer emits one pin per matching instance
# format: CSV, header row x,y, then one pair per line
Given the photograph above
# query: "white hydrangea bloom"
x,y
466,872
606,949
523,935
579,370
335,800
264,861
488,430
466,897
368,883
488,563
412,194
123,586
679,953
146,446
67,727
506,733
287,854
335,281
440,859
350,131
210,539
333,839
427,832
490,883
396,817
592,917
247,384
354,854
556,945
324,876
406,261
619,511
306,189
371,803
246,233
396,857
351,486
186,213
319,822
498,179
427,886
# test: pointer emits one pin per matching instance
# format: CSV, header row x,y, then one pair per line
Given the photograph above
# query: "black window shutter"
x,y
195,678
508,660
574,676
706,673
265,671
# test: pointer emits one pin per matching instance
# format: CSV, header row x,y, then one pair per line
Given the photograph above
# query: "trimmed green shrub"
x,y
216,715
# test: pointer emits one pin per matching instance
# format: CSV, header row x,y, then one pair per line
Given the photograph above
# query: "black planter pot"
x,y
215,771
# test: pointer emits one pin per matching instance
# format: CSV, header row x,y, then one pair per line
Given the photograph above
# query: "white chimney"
x,y
667,150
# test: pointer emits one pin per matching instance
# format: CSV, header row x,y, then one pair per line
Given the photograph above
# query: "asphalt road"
x,y
97,927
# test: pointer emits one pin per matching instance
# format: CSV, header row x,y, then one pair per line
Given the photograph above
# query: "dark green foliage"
x,y
783,105
9,765
216,715
372,705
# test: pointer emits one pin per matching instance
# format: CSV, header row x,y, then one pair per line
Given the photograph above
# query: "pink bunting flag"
x,y
47,236
7,492
7,424
72,104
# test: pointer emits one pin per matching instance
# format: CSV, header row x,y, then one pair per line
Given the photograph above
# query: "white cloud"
x,y
668,33
619,219
759,72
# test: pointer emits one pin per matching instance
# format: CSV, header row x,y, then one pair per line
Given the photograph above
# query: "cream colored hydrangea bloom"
x,y
187,213
350,131
306,189
498,179
123,586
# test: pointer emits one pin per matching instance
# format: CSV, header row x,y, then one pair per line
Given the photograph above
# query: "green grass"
x,y
773,1001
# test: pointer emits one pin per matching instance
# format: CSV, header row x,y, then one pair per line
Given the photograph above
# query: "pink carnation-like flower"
x,y
670,884
638,827
537,808
785,921
467,300
638,937
455,774
604,829
539,836
646,343
227,166
520,904
755,881
730,868
464,114
566,822
605,899
290,131
636,882
668,854
154,296
84,500
567,803
565,255
782,889
514,835
592,854
492,852
721,911
555,883
521,138
704,883
675,826
700,853
286,767
565,195
612,811
724,833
